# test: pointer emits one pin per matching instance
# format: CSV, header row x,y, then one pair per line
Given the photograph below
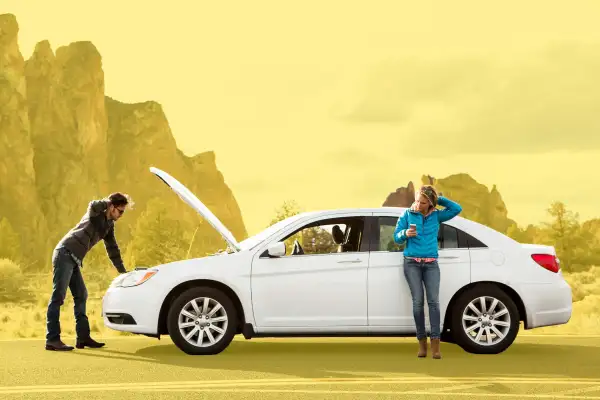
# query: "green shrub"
x,y
12,282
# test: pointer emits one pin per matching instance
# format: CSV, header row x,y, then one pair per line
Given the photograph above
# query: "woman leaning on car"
x,y
418,227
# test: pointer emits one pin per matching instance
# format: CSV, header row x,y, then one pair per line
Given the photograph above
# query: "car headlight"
x,y
133,278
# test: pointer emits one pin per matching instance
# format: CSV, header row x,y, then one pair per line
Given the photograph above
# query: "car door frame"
x,y
358,272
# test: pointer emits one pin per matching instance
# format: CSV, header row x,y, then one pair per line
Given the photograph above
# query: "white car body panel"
x,y
310,291
365,293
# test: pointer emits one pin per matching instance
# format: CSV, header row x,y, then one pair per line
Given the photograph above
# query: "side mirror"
x,y
276,249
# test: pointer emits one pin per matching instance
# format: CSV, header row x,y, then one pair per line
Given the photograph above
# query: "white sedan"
x,y
342,278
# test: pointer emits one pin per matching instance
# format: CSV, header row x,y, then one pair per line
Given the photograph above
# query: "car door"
x,y
390,302
454,261
320,285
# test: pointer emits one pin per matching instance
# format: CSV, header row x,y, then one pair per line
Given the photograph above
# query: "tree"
x,y
11,282
317,240
158,237
531,234
204,240
565,234
10,242
591,232
287,209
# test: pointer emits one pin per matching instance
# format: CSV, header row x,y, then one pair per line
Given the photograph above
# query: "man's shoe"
x,y
58,345
89,342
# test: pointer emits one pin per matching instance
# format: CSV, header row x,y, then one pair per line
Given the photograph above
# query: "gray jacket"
x,y
93,227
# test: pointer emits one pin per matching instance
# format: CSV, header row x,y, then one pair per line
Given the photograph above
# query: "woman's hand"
x,y
411,232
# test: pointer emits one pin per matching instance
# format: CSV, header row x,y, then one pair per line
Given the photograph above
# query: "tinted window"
x,y
473,242
449,236
453,238
385,241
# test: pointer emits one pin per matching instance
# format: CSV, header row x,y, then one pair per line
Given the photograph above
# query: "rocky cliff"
x,y
63,142
18,195
479,203
68,120
139,136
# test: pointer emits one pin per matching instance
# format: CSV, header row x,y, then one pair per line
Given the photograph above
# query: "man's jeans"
x,y
417,274
66,272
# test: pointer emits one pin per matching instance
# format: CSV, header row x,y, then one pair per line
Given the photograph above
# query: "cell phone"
x,y
413,226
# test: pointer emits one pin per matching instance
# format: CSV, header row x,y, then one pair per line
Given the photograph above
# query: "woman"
x,y
419,227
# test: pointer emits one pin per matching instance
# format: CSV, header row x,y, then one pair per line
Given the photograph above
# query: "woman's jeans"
x,y
67,274
428,273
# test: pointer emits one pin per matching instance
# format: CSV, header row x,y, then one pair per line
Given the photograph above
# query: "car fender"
x,y
189,273
511,288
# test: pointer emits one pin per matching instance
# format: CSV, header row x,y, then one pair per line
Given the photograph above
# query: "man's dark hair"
x,y
119,199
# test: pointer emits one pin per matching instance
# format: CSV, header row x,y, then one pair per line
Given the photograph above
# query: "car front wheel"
x,y
485,320
202,321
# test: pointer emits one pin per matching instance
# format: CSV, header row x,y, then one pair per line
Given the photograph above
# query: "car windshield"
x,y
252,241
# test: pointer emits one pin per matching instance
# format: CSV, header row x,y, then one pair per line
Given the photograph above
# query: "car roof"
x,y
394,211
365,210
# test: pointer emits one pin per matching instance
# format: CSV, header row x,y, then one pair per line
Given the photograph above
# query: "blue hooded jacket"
x,y
425,244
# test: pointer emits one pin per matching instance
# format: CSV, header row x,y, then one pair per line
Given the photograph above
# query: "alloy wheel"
x,y
202,321
486,320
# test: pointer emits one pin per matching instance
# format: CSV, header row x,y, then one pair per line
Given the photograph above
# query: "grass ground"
x,y
144,368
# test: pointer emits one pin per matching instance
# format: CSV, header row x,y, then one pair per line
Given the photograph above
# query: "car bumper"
x,y
132,309
547,304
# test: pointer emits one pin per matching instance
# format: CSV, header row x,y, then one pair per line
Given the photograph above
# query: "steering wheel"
x,y
297,248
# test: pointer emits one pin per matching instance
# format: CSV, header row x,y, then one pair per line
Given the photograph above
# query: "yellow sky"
x,y
336,105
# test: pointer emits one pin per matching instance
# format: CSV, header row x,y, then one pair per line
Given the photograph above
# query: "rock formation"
x,y
63,142
18,195
479,204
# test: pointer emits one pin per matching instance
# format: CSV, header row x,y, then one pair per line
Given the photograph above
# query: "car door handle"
x,y
349,261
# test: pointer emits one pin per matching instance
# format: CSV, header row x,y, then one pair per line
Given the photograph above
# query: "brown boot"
x,y
422,348
435,348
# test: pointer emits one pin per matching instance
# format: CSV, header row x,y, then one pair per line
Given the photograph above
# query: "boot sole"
x,y
55,349
82,346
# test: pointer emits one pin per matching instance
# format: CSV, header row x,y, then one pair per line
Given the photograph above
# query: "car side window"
x,y
387,226
448,237
332,235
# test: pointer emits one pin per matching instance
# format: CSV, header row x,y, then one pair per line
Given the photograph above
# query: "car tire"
x,y
221,325
505,320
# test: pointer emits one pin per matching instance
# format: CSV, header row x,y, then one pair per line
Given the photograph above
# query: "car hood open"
x,y
187,196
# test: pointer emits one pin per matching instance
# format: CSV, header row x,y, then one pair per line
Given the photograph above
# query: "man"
x,y
97,224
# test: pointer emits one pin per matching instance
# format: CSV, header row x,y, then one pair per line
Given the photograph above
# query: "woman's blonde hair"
x,y
430,193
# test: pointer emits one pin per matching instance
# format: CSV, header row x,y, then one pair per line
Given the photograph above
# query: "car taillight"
x,y
547,261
